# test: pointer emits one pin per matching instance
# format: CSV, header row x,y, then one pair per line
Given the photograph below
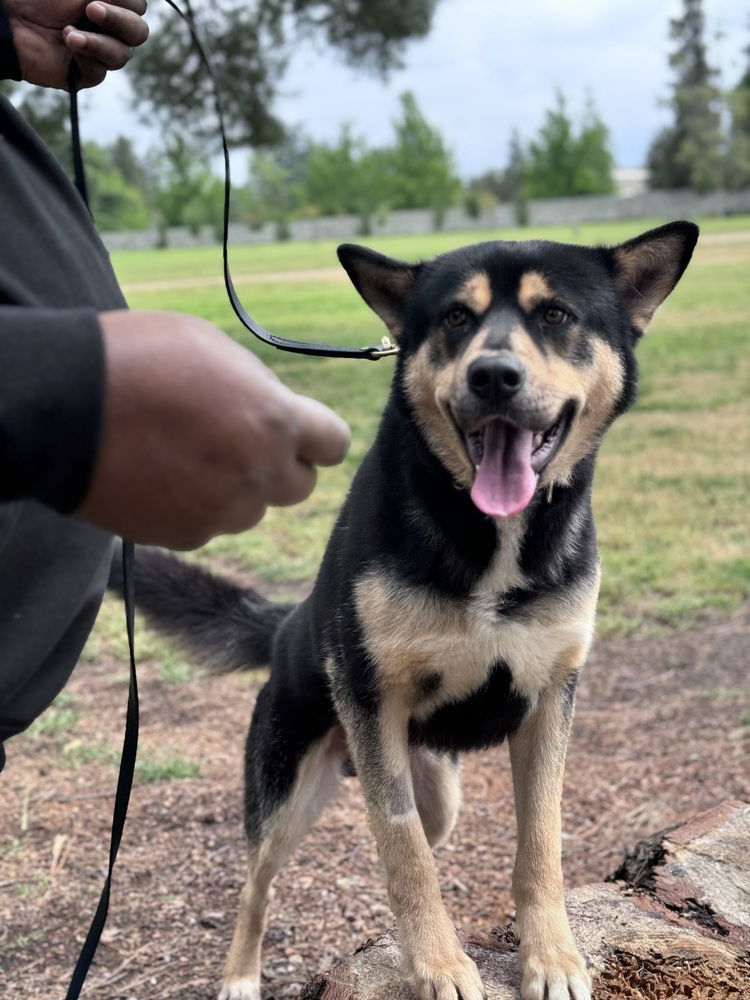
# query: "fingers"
x,y
324,438
122,30
122,21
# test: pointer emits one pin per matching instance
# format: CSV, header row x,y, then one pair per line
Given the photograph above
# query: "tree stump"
x,y
672,922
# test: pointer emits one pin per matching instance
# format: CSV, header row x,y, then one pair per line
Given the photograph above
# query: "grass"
x,y
672,482
58,720
165,766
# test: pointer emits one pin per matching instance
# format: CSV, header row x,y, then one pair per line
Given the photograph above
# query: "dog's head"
x,y
516,357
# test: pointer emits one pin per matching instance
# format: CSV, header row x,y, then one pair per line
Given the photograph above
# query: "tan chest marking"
x,y
411,634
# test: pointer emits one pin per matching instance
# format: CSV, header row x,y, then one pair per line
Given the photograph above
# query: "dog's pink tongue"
x,y
505,481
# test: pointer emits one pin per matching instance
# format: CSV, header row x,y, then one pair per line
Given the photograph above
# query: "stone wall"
x,y
549,211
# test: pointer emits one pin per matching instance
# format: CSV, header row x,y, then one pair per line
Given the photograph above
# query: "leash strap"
x,y
382,350
124,785
79,173
130,740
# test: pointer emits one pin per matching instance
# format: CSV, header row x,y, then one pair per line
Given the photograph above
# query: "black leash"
x,y
124,785
130,740
374,353
382,350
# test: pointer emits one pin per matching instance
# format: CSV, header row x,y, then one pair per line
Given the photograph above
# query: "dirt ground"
x,y
661,731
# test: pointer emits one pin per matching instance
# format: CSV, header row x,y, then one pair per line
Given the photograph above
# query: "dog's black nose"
x,y
496,376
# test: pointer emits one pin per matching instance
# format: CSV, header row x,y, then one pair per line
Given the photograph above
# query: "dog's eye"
x,y
456,316
555,316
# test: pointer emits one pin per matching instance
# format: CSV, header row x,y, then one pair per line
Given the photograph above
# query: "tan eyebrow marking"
x,y
532,290
476,293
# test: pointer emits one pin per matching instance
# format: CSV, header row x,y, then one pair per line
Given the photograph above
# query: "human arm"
x,y
45,38
197,437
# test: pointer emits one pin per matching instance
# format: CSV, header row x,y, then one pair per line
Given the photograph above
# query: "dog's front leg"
x,y
551,966
435,962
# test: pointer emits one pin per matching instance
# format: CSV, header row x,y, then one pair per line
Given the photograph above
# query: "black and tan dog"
x,y
455,603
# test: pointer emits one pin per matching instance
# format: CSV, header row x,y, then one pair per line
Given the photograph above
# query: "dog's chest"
x,y
437,650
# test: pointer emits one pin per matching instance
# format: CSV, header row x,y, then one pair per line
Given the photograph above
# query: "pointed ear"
x,y
384,283
648,267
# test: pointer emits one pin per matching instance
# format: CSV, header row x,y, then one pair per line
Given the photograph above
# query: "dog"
x,y
455,604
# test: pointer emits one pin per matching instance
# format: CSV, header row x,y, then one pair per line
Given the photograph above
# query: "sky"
x,y
487,67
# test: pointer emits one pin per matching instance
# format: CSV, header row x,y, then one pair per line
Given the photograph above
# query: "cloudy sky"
x,y
489,66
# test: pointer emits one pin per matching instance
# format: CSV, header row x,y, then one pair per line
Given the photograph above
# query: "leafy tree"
x,y
273,193
123,156
509,185
688,153
118,199
115,203
422,171
564,161
252,44
347,177
737,173
595,162
186,193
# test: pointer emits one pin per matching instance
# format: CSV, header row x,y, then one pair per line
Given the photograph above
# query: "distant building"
x,y
630,181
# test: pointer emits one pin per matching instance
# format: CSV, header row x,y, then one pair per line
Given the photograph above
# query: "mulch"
x,y
661,732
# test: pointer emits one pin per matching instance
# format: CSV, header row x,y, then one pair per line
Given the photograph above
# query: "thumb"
x,y
324,438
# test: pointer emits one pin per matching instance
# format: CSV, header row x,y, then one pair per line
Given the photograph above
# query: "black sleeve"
x,y
10,68
52,376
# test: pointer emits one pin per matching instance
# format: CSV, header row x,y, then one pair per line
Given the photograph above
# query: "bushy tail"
x,y
233,626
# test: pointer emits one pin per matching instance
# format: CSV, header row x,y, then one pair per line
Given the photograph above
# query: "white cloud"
x,y
487,67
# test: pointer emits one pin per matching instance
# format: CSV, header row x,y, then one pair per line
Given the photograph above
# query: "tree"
x,y
688,153
117,184
252,44
123,156
422,171
186,193
737,172
563,162
347,177
510,184
273,194
116,204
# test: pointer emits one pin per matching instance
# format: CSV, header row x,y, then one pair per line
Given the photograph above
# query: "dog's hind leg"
x,y
437,792
283,802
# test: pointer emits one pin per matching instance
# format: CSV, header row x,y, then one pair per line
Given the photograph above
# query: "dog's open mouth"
x,y
508,460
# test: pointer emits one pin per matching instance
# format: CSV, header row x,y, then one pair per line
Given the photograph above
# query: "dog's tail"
x,y
232,626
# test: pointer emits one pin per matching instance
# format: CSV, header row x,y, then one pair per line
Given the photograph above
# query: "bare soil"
x,y
662,730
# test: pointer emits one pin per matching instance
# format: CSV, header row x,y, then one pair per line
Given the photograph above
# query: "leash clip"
x,y
387,349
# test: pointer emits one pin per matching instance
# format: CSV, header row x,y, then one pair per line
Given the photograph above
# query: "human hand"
x,y
47,39
199,437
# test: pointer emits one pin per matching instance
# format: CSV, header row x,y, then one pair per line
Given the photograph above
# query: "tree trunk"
x,y
672,922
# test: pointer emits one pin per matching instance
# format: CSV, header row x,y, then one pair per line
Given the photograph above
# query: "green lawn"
x,y
672,483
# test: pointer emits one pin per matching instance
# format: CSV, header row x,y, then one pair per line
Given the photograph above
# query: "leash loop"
x,y
373,353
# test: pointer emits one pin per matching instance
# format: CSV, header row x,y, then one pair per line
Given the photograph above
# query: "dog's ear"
x,y
648,267
384,283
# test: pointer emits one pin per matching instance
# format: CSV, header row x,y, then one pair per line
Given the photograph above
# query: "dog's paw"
x,y
240,989
554,975
457,979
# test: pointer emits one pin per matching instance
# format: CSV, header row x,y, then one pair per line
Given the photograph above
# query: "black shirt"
x,y
55,277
